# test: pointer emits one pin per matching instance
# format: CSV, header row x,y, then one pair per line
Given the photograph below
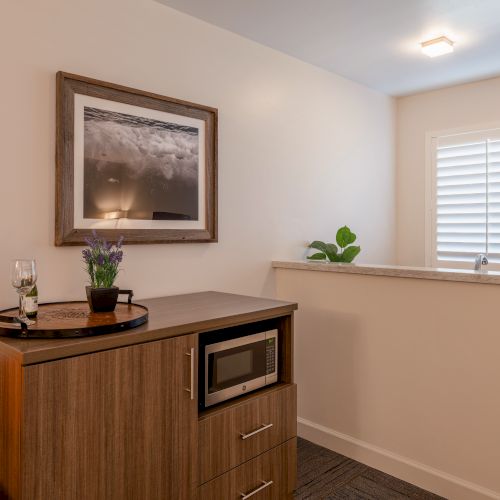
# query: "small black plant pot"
x,y
102,299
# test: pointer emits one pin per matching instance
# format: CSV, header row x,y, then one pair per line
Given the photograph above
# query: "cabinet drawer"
x,y
270,476
234,435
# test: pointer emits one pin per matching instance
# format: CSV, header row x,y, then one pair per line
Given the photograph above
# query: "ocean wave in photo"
x,y
96,114
139,165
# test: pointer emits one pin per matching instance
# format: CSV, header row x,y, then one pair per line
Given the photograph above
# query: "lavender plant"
x,y
102,260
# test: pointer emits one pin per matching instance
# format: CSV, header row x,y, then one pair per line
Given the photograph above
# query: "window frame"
x,y
431,139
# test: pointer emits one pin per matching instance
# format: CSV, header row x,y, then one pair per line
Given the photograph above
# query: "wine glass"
x,y
23,278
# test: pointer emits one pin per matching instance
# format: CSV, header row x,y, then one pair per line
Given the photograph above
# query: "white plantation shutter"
x,y
467,198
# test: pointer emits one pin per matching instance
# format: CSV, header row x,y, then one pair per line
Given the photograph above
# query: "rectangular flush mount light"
x,y
437,46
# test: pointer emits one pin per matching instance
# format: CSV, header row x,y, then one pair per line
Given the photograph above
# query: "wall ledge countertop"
x,y
428,273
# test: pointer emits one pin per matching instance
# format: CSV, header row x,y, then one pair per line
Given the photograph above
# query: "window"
x,y
465,198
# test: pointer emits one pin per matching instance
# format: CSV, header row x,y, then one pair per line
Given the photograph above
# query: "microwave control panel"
x,y
270,354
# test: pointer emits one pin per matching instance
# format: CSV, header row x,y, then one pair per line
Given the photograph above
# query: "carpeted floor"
x,y
324,474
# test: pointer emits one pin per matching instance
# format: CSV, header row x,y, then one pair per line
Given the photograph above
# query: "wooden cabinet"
x,y
117,424
269,476
231,436
116,416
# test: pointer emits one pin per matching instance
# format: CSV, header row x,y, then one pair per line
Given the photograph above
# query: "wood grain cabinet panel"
x,y
234,435
117,424
10,426
114,417
273,472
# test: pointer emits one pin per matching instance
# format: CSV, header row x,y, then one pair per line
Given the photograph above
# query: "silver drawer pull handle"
x,y
263,427
191,385
265,484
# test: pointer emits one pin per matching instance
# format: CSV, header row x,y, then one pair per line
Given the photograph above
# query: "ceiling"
x,y
373,42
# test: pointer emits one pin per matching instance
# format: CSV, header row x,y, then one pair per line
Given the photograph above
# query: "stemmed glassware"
x,y
23,278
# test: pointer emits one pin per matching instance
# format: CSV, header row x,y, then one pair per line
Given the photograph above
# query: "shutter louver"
x,y
467,212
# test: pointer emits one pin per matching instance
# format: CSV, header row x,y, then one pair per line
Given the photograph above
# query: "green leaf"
x,y
319,245
331,251
317,256
350,253
345,237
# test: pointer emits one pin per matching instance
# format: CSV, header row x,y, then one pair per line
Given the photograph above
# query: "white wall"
x,y
401,374
470,105
301,151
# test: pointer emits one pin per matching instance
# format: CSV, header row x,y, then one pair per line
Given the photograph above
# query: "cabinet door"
x,y
118,424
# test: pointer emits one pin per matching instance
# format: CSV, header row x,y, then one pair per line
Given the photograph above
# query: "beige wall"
x,y
301,151
470,105
402,374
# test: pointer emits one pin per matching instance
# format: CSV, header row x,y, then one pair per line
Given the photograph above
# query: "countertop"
x,y
428,273
168,317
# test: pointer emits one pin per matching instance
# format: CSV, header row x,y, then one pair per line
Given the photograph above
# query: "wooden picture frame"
x,y
179,147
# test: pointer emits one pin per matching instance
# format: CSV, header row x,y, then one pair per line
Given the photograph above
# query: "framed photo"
x,y
133,163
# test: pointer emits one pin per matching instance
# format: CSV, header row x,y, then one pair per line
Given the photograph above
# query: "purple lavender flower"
x,y
92,242
86,255
102,260
107,246
116,256
113,257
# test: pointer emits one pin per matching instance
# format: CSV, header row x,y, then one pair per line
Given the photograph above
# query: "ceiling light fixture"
x,y
437,46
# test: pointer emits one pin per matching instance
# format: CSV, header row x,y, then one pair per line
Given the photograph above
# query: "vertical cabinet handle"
x,y
264,485
191,382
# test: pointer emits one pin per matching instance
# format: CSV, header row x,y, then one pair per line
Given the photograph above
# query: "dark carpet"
x,y
324,474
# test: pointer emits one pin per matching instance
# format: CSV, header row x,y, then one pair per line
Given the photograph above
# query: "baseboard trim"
x,y
419,474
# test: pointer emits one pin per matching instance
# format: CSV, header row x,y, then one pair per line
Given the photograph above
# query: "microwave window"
x,y
237,365
234,366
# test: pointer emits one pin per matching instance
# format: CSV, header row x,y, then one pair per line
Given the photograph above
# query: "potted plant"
x,y
102,260
330,251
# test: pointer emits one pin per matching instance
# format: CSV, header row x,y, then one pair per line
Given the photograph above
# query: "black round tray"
x,y
72,319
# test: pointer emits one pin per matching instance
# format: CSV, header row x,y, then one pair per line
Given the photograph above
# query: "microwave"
x,y
235,366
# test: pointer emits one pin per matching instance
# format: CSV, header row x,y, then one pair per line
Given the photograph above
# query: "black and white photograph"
x,y
133,163
139,168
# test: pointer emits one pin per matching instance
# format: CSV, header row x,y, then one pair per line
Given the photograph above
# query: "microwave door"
x,y
234,367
